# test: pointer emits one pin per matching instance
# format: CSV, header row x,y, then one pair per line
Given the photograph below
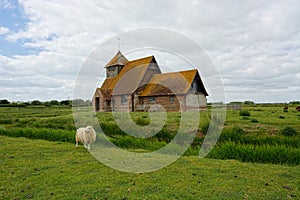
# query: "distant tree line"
x,y
76,102
252,103
295,102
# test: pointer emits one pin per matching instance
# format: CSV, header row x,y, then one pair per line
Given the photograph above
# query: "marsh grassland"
x,y
257,157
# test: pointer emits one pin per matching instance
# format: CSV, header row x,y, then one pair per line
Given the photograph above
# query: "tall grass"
x,y
43,133
238,135
130,142
275,154
111,129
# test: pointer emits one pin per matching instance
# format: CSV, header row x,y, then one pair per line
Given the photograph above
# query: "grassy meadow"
x,y
40,169
257,157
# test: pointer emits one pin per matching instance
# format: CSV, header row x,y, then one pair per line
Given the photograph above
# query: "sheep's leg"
x,y
76,139
88,147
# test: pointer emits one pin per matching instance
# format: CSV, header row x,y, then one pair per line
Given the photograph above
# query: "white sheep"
x,y
86,136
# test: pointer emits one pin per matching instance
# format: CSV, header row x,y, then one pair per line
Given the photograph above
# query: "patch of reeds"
x,y
275,154
43,134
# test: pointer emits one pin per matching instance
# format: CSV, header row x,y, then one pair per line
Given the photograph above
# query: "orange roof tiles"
x,y
170,83
128,79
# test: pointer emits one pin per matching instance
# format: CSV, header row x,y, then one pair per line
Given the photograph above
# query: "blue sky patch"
x,y
12,17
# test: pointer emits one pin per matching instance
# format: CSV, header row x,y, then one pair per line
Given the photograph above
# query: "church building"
x,y
139,85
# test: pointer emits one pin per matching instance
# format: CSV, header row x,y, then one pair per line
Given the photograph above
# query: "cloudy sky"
x,y
255,45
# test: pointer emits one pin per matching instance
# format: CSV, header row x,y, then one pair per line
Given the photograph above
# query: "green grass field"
x,y
41,169
50,167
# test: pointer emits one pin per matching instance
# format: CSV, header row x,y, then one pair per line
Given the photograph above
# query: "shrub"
x,y
288,131
253,120
197,141
249,102
4,101
36,103
246,118
244,113
141,121
232,134
5,121
204,127
164,135
238,130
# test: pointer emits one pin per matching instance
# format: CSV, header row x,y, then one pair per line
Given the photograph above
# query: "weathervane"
x,y
118,44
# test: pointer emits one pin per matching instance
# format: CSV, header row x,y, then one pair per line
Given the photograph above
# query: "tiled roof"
x,y
128,79
118,59
170,83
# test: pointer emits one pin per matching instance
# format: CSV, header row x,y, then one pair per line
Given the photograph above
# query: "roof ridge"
x,y
177,72
140,59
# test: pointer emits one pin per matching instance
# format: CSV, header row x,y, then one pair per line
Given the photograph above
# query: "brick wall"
x,y
169,103
173,103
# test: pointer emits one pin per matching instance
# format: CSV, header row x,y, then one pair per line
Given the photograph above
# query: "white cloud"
x,y
255,44
3,30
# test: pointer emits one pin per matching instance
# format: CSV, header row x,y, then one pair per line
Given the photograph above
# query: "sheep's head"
x,y
89,129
